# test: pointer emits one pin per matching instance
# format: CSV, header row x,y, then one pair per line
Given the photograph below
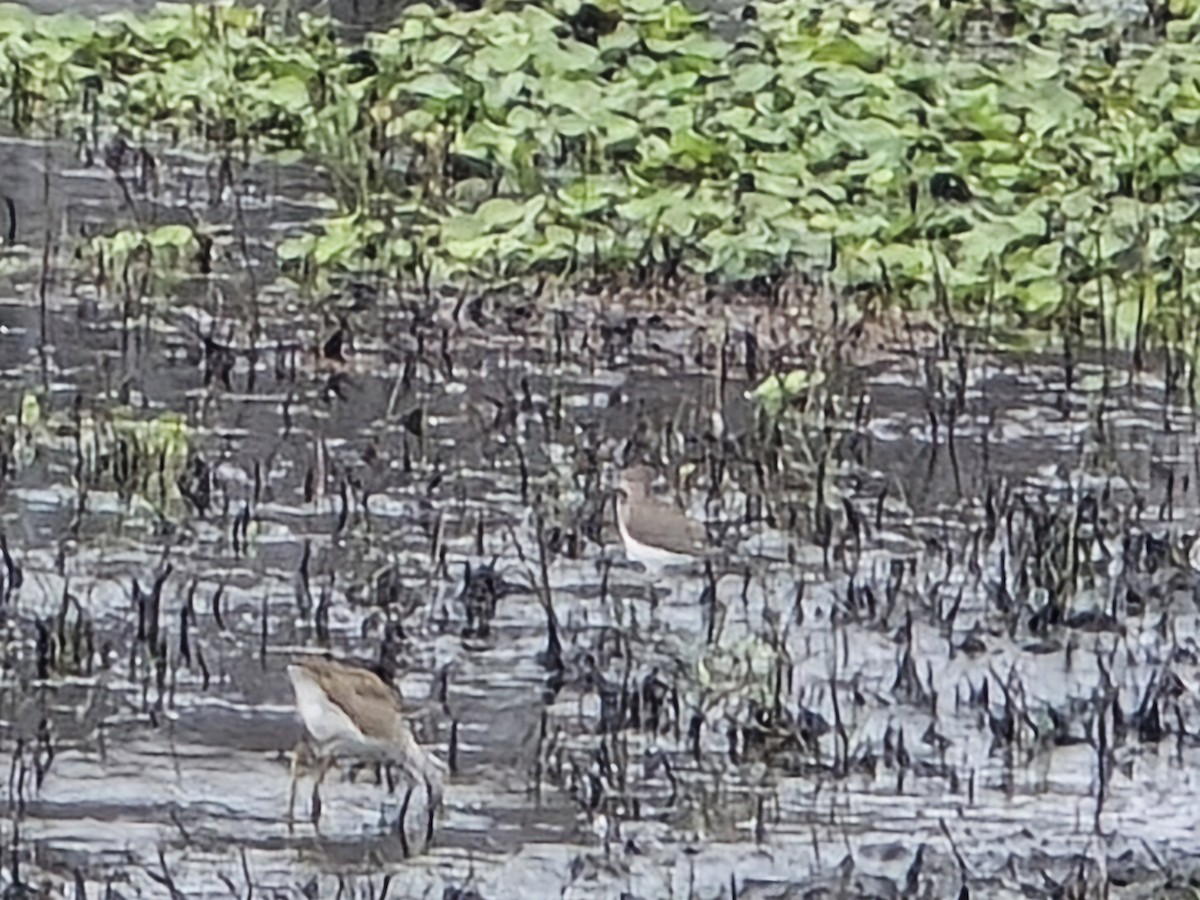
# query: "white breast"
x,y
636,551
328,725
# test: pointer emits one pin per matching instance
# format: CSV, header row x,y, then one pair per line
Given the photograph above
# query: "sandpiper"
x,y
350,712
655,534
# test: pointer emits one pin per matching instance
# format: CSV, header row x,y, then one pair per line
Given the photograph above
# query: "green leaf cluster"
x,y
1019,155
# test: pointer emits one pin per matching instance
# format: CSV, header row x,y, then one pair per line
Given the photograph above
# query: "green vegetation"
x,y
141,459
1019,157
776,392
142,256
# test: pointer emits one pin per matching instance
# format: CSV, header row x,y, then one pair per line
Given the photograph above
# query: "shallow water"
x,y
973,730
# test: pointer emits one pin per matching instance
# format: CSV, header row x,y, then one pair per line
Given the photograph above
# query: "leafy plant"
x,y
1032,158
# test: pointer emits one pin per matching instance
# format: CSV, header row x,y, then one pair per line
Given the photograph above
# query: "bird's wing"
x,y
672,529
370,703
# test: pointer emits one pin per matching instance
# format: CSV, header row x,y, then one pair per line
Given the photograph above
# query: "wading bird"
x,y
653,533
351,713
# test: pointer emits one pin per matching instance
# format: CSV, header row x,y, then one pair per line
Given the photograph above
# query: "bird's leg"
x,y
415,776
432,811
618,611
292,779
400,822
301,756
322,770
651,577
356,770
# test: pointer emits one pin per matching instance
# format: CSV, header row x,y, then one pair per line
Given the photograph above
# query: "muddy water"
x,y
936,727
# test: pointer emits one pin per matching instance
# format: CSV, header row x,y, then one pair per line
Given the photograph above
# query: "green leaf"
x,y
435,85
64,27
506,57
752,78
847,52
1152,76
439,52
31,410
775,391
177,236
623,37
500,212
1041,297
581,97
14,18
679,219
295,248
291,93
765,207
